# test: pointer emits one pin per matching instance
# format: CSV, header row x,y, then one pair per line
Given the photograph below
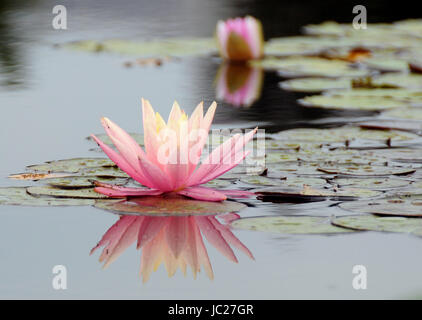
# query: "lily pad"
x,y
83,181
405,205
291,181
315,84
296,67
49,191
399,80
169,205
103,172
383,224
343,134
71,165
365,170
371,183
400,154
308,194
18,196
404,113
155,48
289,225
387,64
405,125
344,102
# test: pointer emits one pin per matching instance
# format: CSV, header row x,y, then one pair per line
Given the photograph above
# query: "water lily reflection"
x,y
173,241
239,84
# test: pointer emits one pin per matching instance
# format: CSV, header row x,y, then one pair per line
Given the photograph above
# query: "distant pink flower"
x,y
240,39
175,241
171,160
239,85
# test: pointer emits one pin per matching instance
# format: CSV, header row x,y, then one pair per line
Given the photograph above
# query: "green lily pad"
x,y
399,80
405,125
71,165
400,154
218,183
296,67
308,194
360,103
383,224
103,172
289,225
18,196
387,64
371,183
49,191
291,181
343,134
275,144
404,205
404,113
339,155
155,48
169,205
315,84
364,170
83,181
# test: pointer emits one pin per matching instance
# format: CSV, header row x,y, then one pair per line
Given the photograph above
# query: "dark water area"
x,y
51,99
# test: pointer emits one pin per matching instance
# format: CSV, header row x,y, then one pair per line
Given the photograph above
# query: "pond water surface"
x,y
51,99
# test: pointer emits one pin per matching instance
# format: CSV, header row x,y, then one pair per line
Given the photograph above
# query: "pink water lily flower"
x,y
171,161
175,242
240,39
239,84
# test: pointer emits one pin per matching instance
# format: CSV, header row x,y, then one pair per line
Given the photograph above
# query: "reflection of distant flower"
x,y
175,241
240,39
239,84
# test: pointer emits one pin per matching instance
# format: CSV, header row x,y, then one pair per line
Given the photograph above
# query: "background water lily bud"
x,y
239,84
240,39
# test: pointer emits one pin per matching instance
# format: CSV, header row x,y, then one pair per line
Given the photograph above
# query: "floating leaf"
x,y
343,134
19,196
405,125
83,181
169,205
371,183
360,103
387,64
34,176
308,194
315,84
286,181
103,172
404,205
49,191
289,225
376,223
71,165
365,170
399,80
296,67
155,48
404,113
400,154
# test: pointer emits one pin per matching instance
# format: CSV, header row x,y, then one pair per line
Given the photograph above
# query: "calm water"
x,y
51,99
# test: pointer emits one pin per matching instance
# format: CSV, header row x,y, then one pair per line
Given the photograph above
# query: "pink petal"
x,y
201,193
155,175
150,227
122,163
230,237
215,238
176,233
125,144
